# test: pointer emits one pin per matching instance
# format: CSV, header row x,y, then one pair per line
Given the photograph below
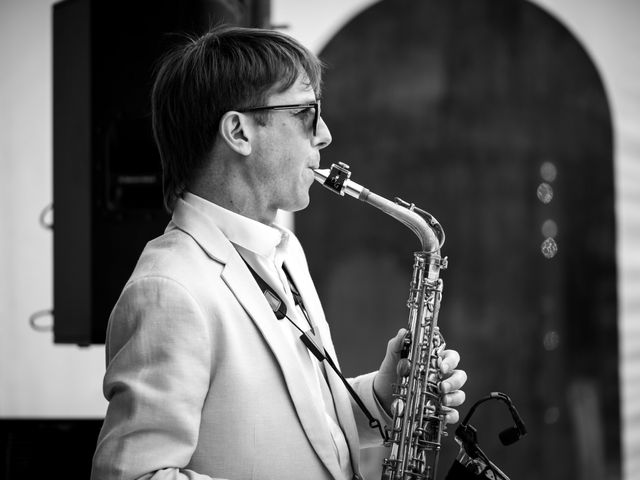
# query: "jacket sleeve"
x,y
363,385
159,363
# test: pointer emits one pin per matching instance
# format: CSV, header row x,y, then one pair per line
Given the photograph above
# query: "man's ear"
x,y
236,129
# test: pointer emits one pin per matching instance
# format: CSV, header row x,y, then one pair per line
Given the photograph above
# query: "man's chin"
x,y
298,206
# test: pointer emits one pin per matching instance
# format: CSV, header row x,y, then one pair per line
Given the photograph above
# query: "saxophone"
x,y
418,416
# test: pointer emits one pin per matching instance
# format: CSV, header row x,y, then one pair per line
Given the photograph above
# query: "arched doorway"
x,y
490,115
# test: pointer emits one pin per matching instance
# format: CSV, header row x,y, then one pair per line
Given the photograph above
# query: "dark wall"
x,y
490,115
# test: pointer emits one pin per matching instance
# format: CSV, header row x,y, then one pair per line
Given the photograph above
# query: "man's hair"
x,y
226,69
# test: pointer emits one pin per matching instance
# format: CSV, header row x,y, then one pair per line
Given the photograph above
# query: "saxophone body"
x,y
418,417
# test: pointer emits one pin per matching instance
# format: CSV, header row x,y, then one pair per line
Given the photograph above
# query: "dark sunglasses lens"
x,y
316,119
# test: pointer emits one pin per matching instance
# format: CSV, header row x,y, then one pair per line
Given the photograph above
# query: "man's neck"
x,y
242,205
223,182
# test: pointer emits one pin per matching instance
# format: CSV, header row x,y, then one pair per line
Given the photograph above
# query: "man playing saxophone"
x,y
207,376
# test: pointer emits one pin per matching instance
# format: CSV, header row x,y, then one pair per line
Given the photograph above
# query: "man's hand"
x,y
452,379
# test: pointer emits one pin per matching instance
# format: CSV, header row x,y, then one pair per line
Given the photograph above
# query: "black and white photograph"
x,y
320,240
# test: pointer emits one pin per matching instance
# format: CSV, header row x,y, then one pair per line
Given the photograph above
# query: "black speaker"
x,y
47,448
106,172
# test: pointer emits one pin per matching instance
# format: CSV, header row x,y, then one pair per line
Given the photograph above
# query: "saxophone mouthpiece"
x,y
337,180
321,174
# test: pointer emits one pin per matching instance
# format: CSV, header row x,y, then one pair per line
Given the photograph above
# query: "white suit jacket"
x,y
200,381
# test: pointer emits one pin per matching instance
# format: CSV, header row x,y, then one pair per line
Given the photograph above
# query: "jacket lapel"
x,y
341,398
241,282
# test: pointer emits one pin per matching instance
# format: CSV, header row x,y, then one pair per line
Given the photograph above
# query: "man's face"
x,y
287,151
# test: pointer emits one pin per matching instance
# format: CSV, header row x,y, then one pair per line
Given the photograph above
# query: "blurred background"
x,y
516,123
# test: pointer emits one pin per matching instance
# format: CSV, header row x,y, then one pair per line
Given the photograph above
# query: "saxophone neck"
x,y
410,218
422,224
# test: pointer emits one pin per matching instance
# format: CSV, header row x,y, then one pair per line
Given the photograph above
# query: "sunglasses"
x,y
314,105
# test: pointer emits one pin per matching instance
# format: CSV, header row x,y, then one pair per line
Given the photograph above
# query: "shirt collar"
x,y
261,239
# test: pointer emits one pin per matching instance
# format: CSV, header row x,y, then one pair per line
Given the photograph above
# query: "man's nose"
x,y
323,135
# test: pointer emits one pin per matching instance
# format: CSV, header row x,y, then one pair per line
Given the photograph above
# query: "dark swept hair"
x,y
196,83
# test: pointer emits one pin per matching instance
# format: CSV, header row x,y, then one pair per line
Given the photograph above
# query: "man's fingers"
x,y
448,361
454,399
395,344
389,365
454,381
451,416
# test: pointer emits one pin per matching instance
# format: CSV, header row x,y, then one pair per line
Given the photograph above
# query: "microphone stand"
x,y
472,463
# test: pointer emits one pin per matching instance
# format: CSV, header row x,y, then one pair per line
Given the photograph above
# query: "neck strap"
x,y
310,338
